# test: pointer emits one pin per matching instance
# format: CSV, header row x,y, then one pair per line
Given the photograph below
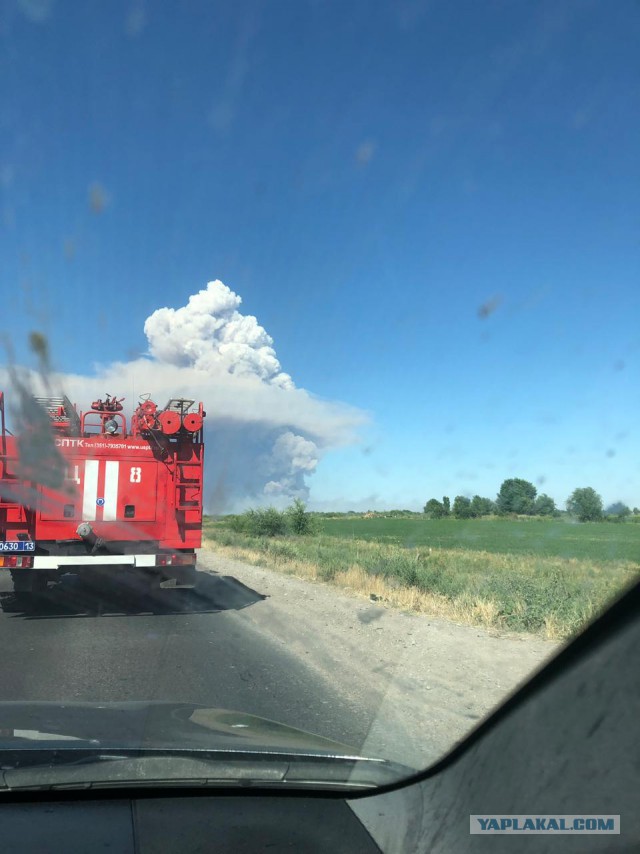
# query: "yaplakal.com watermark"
x,y
558,824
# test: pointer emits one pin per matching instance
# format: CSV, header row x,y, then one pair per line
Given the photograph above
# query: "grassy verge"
x,y
551,596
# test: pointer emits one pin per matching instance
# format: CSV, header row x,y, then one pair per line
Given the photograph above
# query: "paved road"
x,y
110,643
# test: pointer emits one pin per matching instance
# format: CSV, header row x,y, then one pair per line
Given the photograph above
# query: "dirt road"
x,y
430,681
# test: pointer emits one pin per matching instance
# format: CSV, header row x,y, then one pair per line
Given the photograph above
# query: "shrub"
x,y
236,522
265,522
270,522
300,522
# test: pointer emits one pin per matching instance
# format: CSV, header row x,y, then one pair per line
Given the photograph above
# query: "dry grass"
x,y
376,588
552,597
359,582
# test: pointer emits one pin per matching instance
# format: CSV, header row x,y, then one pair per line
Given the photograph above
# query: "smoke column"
x,y
264,436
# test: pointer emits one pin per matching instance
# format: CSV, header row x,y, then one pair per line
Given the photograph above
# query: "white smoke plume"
x,y
209,333
264,437
295,454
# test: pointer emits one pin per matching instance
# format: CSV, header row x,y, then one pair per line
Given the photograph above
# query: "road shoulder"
x,y
431,680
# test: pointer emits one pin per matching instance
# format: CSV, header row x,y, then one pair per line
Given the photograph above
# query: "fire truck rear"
x,y
87,489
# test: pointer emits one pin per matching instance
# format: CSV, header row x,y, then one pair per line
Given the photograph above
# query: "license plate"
x,y
17,546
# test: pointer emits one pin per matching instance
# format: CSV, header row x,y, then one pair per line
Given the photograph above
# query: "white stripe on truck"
x,y
57,561
90,493
110,511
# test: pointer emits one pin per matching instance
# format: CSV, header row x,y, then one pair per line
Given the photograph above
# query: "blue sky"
x,y
366,176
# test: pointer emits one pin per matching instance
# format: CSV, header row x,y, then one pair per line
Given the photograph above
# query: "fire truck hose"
x,y
169,422
192,422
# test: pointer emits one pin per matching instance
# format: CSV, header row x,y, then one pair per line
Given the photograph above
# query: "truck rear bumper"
x,y
61,561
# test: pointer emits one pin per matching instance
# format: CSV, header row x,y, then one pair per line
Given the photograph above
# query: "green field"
x,y
596,541
549,577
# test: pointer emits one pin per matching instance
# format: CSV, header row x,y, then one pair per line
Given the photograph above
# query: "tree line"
x,y
520,497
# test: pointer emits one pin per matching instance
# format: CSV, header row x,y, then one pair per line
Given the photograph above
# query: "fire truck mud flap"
x,y
183,577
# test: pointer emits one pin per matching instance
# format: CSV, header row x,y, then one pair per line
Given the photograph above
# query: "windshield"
x,y
318,388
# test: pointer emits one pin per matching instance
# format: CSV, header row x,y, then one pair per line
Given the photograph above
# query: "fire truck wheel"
x,y
29,581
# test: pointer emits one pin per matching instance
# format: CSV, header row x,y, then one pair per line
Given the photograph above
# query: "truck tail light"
x,y
14,561
176,559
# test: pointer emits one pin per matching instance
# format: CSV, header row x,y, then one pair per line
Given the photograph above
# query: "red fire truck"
x,y
87,489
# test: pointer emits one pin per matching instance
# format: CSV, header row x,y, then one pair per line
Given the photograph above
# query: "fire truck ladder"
x,y
187,474
180,405
187,478
6,502
61,412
